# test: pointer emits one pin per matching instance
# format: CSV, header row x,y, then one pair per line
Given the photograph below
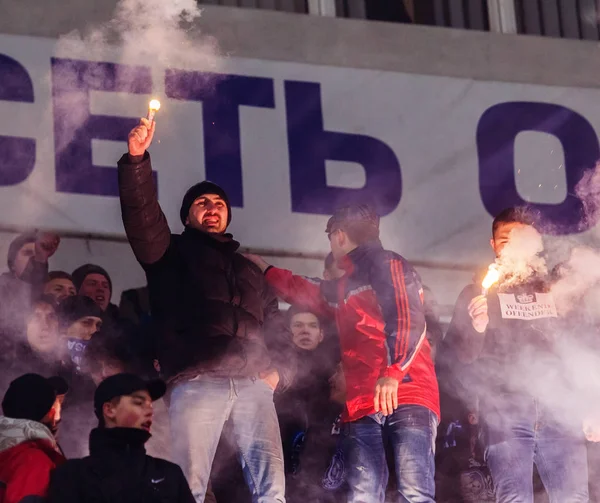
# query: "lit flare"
x,y
491,278
153,107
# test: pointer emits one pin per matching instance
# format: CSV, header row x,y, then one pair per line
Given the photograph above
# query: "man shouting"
x,y
223,347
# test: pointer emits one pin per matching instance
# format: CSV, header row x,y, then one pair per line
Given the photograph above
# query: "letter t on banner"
x,y
221,96
310,145
75,126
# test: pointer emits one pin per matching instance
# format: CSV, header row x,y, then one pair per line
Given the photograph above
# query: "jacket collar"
x,y
223,242
118,441
354,257
17,431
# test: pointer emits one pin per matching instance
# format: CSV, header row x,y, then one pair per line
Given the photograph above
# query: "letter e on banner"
x,y
496,134
75,126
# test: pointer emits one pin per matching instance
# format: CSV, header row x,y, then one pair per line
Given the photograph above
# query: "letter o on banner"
x,y
496,133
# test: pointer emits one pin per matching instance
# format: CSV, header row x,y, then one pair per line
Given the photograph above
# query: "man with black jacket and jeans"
x,y
223,345
118,468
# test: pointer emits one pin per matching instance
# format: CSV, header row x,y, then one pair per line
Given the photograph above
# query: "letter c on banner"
x,y
496,134
17,155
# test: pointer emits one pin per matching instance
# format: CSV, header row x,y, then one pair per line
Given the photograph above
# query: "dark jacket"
x,y
118,469
28,454
214,308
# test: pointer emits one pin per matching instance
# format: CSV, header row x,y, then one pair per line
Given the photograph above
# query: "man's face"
x,y
42,328
131,411
337,240
60,289
208,213
306,331
502,235
84,328
22,258
96,287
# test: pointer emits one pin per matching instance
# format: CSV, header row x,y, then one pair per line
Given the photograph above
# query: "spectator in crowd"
x,y
28,449
304,403
59,285
223,344
392,391
507,361
80,318
118,469
28,256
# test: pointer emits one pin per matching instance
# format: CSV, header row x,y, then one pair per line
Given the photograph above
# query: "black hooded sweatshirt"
x,y
118,470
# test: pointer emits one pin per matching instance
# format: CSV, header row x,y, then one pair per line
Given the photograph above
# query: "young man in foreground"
x,y
118,468
392,390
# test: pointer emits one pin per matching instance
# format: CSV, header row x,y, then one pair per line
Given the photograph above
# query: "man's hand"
x,y
140,137
259,261
591,429
271,377
46,245
386,395
478,311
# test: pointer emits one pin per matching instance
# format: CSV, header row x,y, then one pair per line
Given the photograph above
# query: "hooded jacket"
x,y
380,318
118,470
28,455
215,311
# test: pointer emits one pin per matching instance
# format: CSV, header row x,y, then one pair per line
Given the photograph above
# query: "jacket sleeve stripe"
x,y
403,310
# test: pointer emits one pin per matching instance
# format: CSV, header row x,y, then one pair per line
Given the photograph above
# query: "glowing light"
x,y
491,278
153,107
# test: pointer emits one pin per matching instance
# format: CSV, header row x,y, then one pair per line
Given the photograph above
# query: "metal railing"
x,y
574,19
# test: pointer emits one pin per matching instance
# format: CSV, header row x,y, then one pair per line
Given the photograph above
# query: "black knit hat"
x,y
76,307
195,191
31,396
353,215
84,271
125,384
18,243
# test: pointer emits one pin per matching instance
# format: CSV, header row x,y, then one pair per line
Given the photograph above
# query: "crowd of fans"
x,y
317,404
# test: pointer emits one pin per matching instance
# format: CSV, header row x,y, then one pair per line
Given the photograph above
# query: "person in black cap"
x,y
28,256
223,344
392,391
28,448
118,469
94,282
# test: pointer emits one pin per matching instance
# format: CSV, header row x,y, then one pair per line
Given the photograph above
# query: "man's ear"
x,y
492,243
321,336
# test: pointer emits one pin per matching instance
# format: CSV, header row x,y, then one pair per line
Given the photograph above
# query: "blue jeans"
x,y
198,410
519,432
411,431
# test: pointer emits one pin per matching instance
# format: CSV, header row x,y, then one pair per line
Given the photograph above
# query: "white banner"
x,y
289,142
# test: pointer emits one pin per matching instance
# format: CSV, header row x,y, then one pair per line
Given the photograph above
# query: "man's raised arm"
x,y
145,224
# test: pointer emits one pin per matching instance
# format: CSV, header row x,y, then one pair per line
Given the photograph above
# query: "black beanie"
x,y
195,191
76,307
18,243
31,396
84,271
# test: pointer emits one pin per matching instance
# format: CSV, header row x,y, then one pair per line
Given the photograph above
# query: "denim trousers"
x,y
519,433
410,432
198,410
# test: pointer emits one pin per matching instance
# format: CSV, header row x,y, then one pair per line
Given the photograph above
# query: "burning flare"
x,y
491,278
153,107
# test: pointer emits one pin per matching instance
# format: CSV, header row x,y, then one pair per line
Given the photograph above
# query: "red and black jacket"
x,y
378,309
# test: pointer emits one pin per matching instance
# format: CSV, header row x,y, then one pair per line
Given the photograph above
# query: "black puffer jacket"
x,y
216,313
118,470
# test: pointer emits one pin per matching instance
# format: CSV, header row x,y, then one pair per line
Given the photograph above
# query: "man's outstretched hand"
x,y
46,245
140,137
